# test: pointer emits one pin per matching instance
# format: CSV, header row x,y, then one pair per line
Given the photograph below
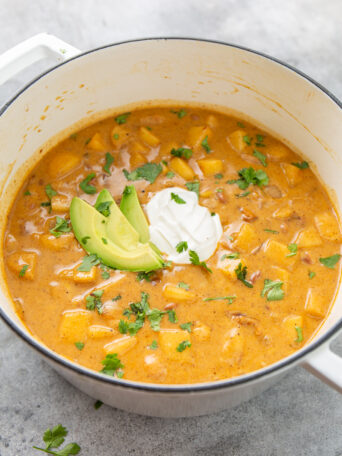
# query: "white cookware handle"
x,y
327,366
30,51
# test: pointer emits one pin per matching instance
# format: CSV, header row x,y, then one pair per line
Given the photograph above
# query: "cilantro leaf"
x,y
27,193
272,290
154,345
218,176
154,317
261,157
301,165
330,262
205,145
93,301
182,246
247,139
250,176
86,187
170,174
122,118
230,256
62,226
177,199
23,270
111,364
267,230
182,152
149,172
194,259
104,207
293,249
50,192
180,114
54,437
172,316
183,345
79,345
193,186
109,160
183,285
240,124
186,326
88,262
299,331
241,274
230,299
242,195
311,274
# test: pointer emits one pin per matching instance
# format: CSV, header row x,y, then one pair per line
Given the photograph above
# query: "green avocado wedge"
x,y
94,232
131,208
119,228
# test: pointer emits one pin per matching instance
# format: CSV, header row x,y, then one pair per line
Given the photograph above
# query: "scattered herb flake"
x,y
272,290
268,230
293,248
183,285
23,270
218,176
62,226
299,331
86,187
87,141
247,139
242,195
104,207
183,345
182,152
177,199
109,160
172,316
311,274
241,274
260,138
93,301
186,326
301,165
180,114
88,262
330,262
122,118
148,172
79,345
116,136
170,174
112,365
84,240
193,186
205,145
261,157
148,276
230,299
240,124
182,246
117,298
194,259
50,192
73,136
27,193
154,345
250,176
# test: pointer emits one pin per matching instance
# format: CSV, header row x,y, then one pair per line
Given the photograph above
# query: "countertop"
x,y
299,416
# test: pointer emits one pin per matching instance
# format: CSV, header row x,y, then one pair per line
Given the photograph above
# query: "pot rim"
x,y
183,388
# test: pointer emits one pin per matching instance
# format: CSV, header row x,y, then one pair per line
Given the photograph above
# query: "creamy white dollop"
x,y
171,223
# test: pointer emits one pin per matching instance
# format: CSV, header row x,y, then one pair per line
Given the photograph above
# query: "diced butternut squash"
x,y
85,276
209,166
201,331
174,293
63,163
196,135
120,346
236,140
169,340
74,325
280,274
62,242
148,137
182,168
99,331
228,266
293,174
277,152
327,226
246,239
290,324
19,261
119,136
233,345
277,253
308,238
315,304
137,159
283,212
97,143
60,203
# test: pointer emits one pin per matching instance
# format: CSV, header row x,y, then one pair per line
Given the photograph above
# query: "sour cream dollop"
x,y
172,223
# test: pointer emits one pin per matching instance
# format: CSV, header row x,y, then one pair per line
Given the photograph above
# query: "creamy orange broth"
x,y
227,338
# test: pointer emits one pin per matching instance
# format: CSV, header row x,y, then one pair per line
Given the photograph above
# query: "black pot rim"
x,y
149,387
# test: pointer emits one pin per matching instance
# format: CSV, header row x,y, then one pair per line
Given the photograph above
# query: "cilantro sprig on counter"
x,y
54,438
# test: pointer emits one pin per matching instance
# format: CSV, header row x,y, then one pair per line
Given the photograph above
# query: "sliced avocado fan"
x,y
131,208
103,230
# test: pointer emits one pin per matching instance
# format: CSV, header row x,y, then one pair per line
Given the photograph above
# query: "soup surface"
x,y
261,294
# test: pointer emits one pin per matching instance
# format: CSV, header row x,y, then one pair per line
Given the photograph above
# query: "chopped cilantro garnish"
x,y
250,176
230,299
183,345
183,285
301,165
293,249
219,190
79,345
23,270
104,271
87,141
154,345
241,274
98,404
177,199
117,298
122,118
247,139
93,301
242,195
232,256
104,207
172,316
182,152
299,331
116,136
104,240
180,114
186,326
149,172
240,124
170,174
271,231
50,192
261,157
330,262
142,275
53,439
109,160
182,246
88,262
84,240
73,136
194,259
27,193
193,186
86,187
260,138
112,365
218,176
62,226
311,274
205,145
46,204
272,290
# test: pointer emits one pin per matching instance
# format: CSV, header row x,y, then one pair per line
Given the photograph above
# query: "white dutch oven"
x,y
270,92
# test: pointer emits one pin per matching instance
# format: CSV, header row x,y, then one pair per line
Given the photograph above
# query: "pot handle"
x,y
30,51
327,366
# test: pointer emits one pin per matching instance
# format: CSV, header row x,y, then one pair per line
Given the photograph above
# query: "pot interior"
x,y
90,86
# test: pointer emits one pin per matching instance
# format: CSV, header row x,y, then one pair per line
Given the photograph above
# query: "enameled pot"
x,y
274,95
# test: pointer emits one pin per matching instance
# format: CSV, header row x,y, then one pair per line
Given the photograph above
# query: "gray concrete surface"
x,y
300,416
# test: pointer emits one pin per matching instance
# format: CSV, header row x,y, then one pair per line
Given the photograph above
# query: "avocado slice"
x,y
94,233
121,231
131,208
